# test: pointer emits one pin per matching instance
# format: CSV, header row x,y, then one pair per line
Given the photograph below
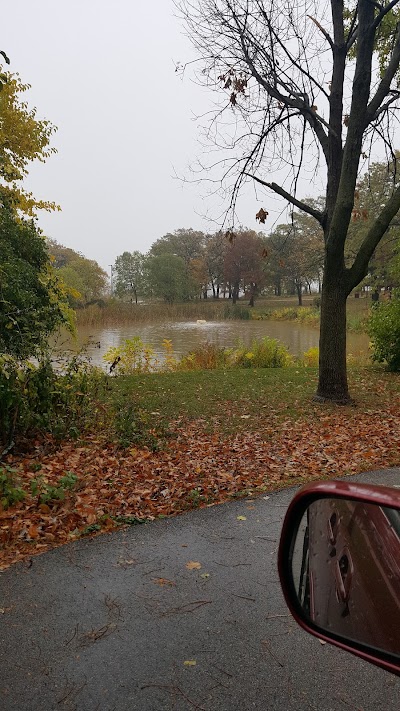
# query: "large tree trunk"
x,y
332,384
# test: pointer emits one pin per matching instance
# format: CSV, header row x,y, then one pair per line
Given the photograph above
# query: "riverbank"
x,y
204,437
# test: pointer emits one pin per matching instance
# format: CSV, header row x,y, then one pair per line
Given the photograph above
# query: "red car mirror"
x,y
339,566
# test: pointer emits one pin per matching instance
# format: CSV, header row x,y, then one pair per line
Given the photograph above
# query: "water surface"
x,y
188,335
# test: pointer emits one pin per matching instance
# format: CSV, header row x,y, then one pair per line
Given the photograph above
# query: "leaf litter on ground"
x,y
197,468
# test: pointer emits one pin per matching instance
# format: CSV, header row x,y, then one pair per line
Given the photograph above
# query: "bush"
x,y
10,492
132,357
311,357
36,399
206,357
265,353
384,331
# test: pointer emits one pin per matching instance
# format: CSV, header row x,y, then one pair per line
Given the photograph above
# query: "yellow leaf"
x,y
241,518
190,663
193,565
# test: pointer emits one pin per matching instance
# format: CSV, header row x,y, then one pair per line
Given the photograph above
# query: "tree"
x,y
187,244
215,250
23,139
84,279
303,87
184,242
295,254
168,278
243,264
32,302
373,191
129,279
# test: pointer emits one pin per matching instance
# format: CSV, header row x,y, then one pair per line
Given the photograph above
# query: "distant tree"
x,y
214,256
295,254
198,276
84,279
87,277
185,243
168,278
243,264
373,190
61,256
32,300
129,275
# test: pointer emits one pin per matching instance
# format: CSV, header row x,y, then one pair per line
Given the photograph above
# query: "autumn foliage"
x,y
91,486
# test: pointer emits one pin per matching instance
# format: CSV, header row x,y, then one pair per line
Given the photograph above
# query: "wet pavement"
x,y
183,613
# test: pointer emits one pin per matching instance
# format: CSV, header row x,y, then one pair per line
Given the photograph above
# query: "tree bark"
x,y
332,384
299,293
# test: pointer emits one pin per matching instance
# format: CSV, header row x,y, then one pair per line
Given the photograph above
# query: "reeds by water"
x,y
120,313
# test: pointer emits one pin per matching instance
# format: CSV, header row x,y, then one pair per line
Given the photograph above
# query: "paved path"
x,y
107,624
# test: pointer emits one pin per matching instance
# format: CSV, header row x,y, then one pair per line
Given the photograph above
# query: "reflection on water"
x,y
187,336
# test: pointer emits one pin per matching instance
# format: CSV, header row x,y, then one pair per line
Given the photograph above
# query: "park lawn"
x,y
221,435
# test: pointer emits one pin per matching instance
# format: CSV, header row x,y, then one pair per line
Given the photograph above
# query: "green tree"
x,y
303,87
84,279
168,278
129,275
185,243
372,192
32,301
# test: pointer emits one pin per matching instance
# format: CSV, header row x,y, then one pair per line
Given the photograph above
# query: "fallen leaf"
x,y
190,663
163,581
241,518
193,565
205,575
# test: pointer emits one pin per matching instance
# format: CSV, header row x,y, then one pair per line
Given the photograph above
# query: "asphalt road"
x,y
107,624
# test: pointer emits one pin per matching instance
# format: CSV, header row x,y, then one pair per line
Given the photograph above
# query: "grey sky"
x,y
103,72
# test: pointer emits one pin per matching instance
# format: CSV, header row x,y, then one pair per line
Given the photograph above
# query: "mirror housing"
x,y
346,536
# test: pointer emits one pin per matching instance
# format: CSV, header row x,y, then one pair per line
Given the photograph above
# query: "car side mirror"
x,y
339,566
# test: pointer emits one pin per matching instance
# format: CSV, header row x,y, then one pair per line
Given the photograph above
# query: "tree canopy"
x,y
23,139
32,301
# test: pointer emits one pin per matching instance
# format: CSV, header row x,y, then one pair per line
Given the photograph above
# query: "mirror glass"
x,y
346,570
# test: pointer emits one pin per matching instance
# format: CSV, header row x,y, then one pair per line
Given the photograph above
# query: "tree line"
x,y
188,264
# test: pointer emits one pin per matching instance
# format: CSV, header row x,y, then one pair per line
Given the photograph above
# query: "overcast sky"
x,y
104,73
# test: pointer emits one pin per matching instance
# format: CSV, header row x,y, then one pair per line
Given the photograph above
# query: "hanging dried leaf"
x,y
261,215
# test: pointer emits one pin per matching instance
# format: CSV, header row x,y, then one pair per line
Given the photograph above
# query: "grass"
x,y
235,400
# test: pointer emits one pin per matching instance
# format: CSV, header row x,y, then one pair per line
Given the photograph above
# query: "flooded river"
x,y
186,336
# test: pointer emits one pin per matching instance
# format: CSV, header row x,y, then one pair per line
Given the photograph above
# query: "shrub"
x,y
263,353
311,357
384,331
133,356
37,399
207,357
303,314
10,492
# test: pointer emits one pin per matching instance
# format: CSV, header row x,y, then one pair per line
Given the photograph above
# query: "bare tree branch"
x,y
290,198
